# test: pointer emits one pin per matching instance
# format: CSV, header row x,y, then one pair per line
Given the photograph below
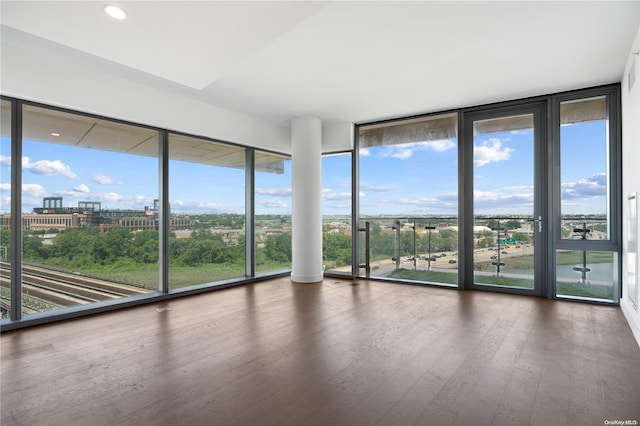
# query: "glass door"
x,y
509,181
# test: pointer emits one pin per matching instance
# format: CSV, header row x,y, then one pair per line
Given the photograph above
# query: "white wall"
x,y
630,170
337,136
33,69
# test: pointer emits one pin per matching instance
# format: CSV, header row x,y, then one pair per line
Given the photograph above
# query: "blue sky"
x,y
122,181
421,178
409,179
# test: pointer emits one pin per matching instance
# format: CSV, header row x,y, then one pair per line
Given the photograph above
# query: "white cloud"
x,y
33,190
5,161
48,168
82,188
440,145
5,187
375,188
404,151
365,152
104,179
201,207
595,186
111,196
340,205
337,196
444,202
274,192
490,151
416,201
399,153
518,188
501,199
274,204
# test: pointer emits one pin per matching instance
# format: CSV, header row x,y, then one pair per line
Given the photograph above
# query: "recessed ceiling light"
x,y
55,134
115,12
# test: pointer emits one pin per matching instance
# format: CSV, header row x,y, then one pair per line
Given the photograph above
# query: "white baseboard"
x,y
633,318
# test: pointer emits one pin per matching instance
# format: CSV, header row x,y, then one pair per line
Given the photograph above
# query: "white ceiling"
x,y
344,61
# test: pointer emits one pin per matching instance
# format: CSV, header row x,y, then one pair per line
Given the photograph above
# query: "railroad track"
x,y
60,289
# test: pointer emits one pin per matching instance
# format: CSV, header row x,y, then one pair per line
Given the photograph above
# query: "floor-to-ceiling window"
x,y
88,219
336,213
5,208
113,213
90,194
408,199
539,199
272,212
588,196
206,211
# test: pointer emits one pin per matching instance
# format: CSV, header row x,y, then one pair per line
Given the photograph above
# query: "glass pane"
x,y
89,195
5,209
409,195
336,213
503,170
273,212
207,211
587,274
584,171
412,249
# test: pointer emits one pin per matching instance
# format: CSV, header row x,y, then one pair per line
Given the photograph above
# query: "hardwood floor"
x,y
336,353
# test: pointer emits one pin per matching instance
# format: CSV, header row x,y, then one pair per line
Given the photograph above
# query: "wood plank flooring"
x,y
338,353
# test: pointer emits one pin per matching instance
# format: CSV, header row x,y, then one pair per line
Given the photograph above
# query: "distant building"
x,y
52,203
53,216
96,206
44,222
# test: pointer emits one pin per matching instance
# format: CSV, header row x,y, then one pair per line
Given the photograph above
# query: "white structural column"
x,y
306,168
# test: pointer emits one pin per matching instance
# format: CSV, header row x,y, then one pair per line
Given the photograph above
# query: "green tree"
x,y
75,246
113,245
278,247
5,242
382,244
485,239
406,243
145,247
511,224
33,248
201,248
336,248
447,240
522,237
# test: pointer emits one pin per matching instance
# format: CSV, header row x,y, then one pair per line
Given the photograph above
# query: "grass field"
x,y
147,275
184,276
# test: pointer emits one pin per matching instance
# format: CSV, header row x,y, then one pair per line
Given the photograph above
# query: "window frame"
x,y
17,320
